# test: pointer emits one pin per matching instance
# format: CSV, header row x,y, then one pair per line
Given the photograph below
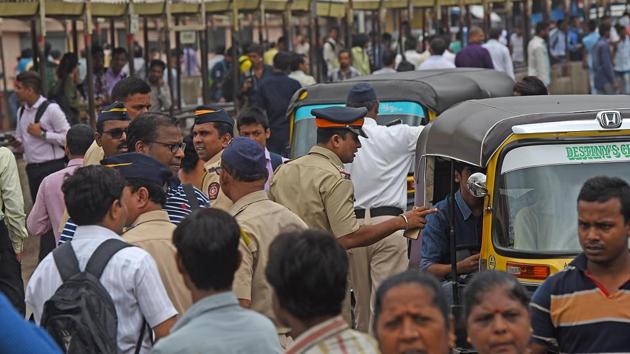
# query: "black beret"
x,y
115,111
134,165
212,114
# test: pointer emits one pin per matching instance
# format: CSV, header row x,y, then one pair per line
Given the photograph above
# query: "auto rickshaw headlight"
x,y
477,185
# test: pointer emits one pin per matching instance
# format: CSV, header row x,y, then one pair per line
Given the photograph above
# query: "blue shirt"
x,y
20,336
589,42
435,235
177,207
218,324
602,64
274,96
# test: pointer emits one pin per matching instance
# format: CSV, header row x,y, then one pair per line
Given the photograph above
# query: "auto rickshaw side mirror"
x,y
476,185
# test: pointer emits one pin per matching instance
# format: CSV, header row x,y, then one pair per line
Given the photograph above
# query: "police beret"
x,y
212,114
115,111
361,93
134,165
245,157
341,117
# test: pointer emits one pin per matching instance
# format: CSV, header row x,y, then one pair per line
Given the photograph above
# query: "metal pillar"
x,y
178,65
87,37
41,39
167,44
145,41
132,27
112,33
75,39
205,73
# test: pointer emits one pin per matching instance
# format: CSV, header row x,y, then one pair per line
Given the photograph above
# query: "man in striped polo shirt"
x,y
586,307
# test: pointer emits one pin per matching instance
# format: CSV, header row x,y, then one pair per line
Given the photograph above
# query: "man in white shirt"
x,y
298,70
389,60
516,43
411,53
499,53
538,56
437,60
331,50
379,173
96,199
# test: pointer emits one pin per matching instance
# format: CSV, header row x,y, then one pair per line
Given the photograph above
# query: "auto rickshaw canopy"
x,y
435,89
473,131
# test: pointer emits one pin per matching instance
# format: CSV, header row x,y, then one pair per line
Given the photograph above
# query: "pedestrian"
x,y
331,51
474,55
299,70
582,309
448,54
66,92
18,333
318,189
388,61
209,240
496,312
538,55
360,58
411,53
96,199
220,71
41,131
252,79
530,86
49,207
302,46
191,171
345,71
160,93
149,224
135,96
516,46
437,60
253,123
499,52
243,175
401,300
12,231
101,91
622,60
275,48
212,132
308,272
604,75
589,42
274,97
467,221
380,167
160,137
574,39
115,71
558,43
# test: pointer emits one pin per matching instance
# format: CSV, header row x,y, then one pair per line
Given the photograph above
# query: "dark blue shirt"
x,y
602,64
274,96
20,336
435,235
474,56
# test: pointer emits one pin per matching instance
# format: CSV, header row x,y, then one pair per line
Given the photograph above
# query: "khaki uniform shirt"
x,y
153,232
261,220
93,155
318,190
211,185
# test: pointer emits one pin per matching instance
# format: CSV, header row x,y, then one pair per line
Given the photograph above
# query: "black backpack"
x,y
81,316
40,111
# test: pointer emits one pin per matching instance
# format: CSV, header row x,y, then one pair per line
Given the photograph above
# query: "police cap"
x,y
134,165
115,111
360,94
212,114
245,157
341,117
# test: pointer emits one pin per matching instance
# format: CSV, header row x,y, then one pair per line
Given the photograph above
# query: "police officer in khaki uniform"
x,y
318,189
243,176
149,225
212,132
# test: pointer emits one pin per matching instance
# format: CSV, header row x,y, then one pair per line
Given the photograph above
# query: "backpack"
x,y
40,111
81,316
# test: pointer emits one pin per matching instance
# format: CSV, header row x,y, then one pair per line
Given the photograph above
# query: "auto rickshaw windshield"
x,y
538,189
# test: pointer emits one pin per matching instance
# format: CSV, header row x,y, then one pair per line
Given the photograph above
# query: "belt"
x,y
38,164
380,211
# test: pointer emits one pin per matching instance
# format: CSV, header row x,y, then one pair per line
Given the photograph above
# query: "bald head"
x,y
476,35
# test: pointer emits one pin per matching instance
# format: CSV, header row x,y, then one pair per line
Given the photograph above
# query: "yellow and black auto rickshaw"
x,y
413,98
536,152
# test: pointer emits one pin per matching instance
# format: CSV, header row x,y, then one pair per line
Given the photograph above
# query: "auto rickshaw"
x,y
413,98
537,152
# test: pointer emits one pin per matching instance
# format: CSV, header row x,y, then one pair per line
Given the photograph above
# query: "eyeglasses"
x,y
116,133
174,147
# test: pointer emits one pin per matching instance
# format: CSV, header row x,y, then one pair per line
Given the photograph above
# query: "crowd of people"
x,y
153,241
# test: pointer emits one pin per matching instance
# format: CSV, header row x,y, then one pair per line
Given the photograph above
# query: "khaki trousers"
x,y
370,266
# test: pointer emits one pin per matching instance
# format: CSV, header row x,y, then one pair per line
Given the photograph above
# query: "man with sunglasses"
x,y
133,94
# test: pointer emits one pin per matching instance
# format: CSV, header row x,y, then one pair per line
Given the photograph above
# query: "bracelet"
x,y
406,220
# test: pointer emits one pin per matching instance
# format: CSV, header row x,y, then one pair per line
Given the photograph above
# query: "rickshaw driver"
x,y
467,221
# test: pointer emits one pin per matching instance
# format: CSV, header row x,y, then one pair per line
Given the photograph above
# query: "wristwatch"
x,y
43,134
